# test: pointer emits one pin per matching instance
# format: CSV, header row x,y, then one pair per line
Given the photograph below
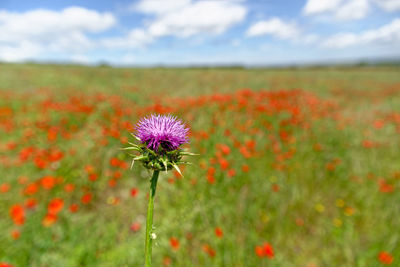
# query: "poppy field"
x,y
295,167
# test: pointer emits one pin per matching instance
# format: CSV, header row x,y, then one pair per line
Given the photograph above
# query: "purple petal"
x,y
162,130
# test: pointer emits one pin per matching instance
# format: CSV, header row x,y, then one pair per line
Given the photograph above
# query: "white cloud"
x,y
320,6
347,9
280,29
184,18
387,34
27,34
338,9
275,27
352,10
159,6
181,18
136,38
18,52
389,5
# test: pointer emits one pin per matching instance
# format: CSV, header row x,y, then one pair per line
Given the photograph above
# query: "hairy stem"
x,y
149,221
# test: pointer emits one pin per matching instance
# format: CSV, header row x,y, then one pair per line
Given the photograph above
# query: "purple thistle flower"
x,y
164,131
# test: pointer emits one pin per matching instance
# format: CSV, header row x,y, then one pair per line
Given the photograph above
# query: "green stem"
x,y
149,221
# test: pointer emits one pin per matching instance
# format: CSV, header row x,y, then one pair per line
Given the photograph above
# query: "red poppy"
x,y
167,261
135,226
210,179
15,234
114,162
174,242
225,149
48,182
30,203
265,250
209,250
134,192
245,168
218,232
69,188
275,187
4,188
55,206
86,198
385,258
17,213
211,171
385,187
49,219
73,208
93,176
112,183
224,164
40,162
31,189
89,169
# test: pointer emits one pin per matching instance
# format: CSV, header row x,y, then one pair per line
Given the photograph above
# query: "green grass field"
x,y
304,162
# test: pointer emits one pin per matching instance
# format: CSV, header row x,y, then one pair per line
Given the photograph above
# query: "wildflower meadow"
x,y
294,167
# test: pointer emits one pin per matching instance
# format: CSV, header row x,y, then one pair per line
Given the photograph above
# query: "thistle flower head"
x,y
162,131
161,137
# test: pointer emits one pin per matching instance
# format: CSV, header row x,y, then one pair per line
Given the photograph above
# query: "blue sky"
x,y
183,32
